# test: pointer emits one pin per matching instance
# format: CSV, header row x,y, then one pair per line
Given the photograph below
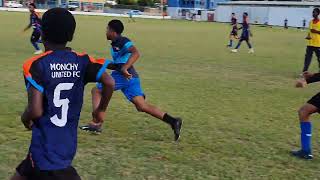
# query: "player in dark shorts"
x,y
312,106
55,82
234,31
35,23
245,35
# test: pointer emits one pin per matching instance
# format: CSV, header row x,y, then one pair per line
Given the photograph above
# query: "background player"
x,y
234,31
245,35
313,40
35,23
125,54
55,82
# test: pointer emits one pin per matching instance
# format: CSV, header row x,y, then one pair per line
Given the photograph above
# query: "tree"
x,y
145,2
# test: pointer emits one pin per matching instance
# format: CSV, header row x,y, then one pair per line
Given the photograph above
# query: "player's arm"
x,y
311,78
28,26
315,31
95,72
308,79
34,108
133,58
308,37
112,66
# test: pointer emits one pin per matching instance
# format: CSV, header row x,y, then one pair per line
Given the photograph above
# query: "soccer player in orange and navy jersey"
x,y
234,31
35,23
245,35
55,82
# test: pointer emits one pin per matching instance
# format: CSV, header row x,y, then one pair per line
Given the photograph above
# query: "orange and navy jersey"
x,y
233,20
35,21
61,77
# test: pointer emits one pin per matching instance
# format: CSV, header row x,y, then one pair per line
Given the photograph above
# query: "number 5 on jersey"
x,y
63,103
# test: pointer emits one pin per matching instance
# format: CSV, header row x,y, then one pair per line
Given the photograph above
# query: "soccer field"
x,y
239,110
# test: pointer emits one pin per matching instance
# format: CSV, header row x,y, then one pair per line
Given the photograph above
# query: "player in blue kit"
x,y
124,55
55,82
35,23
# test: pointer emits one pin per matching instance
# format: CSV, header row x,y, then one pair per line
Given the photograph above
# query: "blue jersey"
x,y
61,76
35,21
121,54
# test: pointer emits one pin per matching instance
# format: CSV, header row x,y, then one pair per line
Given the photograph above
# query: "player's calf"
x,y
175,123
304,114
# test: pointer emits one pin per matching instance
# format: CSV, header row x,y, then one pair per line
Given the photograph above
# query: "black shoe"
x,y
302,155
91,128
176,127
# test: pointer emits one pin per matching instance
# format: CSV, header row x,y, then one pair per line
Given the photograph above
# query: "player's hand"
x,y
301,83
27,124
98,117
126,73
307,74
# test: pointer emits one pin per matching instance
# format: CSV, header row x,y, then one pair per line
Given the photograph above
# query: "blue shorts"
x,y
130,88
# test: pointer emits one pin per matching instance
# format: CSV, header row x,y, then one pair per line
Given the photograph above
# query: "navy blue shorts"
x,y
28,170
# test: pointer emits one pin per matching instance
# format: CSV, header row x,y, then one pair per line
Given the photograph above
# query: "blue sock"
x,y
35,45
306,133
230,44
239,44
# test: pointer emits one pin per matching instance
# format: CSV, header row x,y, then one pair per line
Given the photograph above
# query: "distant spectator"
x,y
286,23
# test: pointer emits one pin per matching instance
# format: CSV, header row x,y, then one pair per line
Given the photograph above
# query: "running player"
x,y
125,54
35,23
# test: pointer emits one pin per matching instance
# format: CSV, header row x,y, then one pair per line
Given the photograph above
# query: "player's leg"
x,y
317,51
143,106
307,58
34,41
249,46
238,45
93,125
230,40
304,113
134,93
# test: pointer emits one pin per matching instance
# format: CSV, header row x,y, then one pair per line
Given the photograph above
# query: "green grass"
x,y
239,110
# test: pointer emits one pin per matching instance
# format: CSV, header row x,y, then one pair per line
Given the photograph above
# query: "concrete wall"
x,y
260,15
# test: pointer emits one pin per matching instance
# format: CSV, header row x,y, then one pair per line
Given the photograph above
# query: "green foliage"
x,y
149,3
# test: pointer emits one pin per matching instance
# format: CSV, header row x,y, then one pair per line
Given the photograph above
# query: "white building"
x,y
268,12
